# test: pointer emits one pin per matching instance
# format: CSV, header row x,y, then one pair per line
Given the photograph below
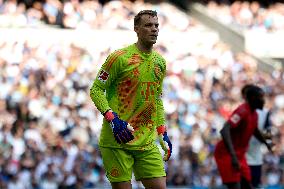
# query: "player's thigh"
x,y
255,175
154,183
245,170
148,164
227,172
121,185
118,164
245,184
233,185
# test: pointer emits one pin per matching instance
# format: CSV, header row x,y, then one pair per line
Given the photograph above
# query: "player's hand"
x,y
270,146
122,130
267,136
165,142
235,163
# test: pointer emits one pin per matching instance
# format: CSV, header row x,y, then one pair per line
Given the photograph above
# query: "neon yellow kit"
x,y
130,83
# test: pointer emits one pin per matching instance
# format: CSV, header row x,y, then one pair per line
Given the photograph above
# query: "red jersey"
x,y
243,123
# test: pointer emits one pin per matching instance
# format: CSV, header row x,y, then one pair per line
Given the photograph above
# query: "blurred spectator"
x,y
247,15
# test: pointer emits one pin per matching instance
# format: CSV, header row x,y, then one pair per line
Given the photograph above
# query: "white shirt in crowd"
x,y
254,154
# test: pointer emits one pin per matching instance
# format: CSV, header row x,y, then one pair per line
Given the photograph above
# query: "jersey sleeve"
x,y
104,81
237,116
160,107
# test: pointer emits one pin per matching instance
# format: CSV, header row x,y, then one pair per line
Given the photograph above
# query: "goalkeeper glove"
x,y
121,129
165,142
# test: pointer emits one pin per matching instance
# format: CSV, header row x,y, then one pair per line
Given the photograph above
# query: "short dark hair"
x,y
244,89
138,16
253,90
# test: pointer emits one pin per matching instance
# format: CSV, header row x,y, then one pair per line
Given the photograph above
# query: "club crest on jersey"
x,y
235,118
114,172
103,76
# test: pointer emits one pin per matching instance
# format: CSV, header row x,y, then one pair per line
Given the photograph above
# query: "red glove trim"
x,y
169,154
161,129
109,116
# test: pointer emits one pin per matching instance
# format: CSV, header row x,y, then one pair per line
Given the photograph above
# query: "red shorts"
x,y
228,173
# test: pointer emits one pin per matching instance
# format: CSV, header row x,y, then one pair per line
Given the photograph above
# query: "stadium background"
x,y
50,52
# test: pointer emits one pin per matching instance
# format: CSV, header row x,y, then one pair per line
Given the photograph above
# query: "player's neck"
x,y
252,109
143,47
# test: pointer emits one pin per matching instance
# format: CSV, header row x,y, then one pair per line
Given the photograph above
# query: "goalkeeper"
x,y
127,91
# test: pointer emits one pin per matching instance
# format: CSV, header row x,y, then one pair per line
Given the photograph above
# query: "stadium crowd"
x,y
84,14
77,14
49,127
247,15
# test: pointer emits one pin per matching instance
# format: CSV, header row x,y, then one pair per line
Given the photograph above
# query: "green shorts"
x,y
119,164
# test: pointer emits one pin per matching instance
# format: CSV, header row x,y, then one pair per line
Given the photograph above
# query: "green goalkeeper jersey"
x,y
130,83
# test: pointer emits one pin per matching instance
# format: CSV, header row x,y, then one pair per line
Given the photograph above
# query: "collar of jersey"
x,y
143,54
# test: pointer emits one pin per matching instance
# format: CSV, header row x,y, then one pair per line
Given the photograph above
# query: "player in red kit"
x,y
236,133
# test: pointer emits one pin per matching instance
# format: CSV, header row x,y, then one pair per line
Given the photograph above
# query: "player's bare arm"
x,y
259,136
226,135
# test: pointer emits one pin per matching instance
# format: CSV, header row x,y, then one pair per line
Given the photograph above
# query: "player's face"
x,y
148,29
258,101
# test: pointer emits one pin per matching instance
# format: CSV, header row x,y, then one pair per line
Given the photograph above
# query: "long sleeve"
x,y
98,97
102,88
160,107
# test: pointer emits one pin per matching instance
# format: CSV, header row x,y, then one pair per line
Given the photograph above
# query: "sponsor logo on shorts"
x,y
114,172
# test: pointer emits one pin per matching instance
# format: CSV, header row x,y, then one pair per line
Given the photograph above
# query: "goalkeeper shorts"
x,y
120,163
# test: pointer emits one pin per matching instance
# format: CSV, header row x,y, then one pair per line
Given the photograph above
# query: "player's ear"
x,y
136,28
